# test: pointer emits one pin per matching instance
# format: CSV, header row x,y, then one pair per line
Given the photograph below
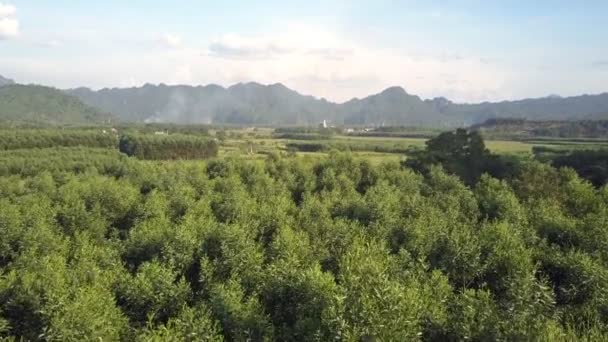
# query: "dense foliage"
x,y
589,164
523,128
287,249
349,145
29,162
462,153
37,104
175,146
43,138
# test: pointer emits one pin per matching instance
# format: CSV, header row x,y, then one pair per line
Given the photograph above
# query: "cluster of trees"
x,y
30,162
291,249
462,153
43,138
350,145
512,127
167,147
172,128
589,164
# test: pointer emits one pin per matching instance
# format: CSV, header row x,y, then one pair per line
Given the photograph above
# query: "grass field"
x,y
256,144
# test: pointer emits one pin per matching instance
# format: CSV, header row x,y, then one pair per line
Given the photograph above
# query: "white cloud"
x,y
294,40
326,64
7,10
52,43
171,40
9,28
9,25
309,59
237,46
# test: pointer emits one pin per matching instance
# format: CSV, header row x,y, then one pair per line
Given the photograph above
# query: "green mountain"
x,y
584,107
249,103
254,103
43,105
523,128
391,107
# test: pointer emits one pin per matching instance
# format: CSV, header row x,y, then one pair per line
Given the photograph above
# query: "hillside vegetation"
x,y
23,104
521,128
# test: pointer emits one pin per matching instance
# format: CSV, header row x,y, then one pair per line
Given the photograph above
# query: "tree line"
x,y
166,147
43,138
140,145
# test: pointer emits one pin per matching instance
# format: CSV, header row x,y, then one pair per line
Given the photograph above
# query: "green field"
x,y
257,144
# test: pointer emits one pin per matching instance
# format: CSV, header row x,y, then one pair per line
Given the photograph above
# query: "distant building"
x,y
161,132
323,124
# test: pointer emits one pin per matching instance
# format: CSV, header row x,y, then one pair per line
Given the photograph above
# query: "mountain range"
x,y
275,104
254,103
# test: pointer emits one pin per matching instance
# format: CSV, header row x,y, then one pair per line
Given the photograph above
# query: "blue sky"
x,y
466,50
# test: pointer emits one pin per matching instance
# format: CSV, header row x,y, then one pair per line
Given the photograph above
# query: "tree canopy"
x,y
99,246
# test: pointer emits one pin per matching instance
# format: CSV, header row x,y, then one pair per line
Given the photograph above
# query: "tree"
x,y
462,153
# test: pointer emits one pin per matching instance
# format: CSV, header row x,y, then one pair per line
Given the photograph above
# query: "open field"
x,y
257,144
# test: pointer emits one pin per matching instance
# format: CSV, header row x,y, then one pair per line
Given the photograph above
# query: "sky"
x,y
465,50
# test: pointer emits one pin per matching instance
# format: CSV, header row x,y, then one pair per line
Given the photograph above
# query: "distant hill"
x,y
392,107
5,81
585,107
44,105
249,103
522,128
254,103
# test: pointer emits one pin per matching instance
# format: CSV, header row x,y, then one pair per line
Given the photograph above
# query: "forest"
x,y
97,245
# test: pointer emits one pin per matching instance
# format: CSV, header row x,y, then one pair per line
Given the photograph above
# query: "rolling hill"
x,y
43,105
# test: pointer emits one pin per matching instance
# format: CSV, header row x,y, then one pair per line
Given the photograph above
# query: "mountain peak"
x,y
242,85
439,101
395,90
278,86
